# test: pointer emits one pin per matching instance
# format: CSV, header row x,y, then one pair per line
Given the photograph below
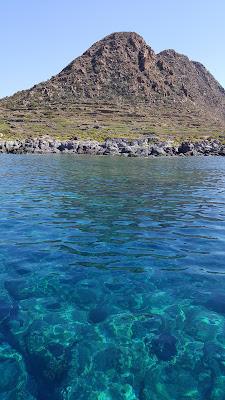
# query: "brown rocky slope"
x,y
120,86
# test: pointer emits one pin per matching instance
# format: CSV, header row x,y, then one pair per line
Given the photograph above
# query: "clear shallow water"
x,y
112,278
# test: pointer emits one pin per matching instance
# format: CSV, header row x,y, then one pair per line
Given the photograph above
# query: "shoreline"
x,y
144,147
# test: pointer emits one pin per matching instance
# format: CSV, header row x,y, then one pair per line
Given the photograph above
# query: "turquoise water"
x,y
112,278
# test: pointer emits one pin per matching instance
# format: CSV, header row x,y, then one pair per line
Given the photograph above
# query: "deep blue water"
x,y
112,278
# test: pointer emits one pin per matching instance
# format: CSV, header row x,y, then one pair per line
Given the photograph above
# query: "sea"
x,y
112,278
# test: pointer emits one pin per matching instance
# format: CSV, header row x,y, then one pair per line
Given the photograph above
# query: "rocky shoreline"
x,y
144,147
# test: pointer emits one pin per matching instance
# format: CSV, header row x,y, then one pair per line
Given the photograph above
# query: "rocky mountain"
x,y
123,69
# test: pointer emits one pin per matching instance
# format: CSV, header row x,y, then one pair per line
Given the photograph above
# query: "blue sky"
x,y
40,37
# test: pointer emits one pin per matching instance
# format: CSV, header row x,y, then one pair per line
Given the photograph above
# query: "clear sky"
x,y
40,37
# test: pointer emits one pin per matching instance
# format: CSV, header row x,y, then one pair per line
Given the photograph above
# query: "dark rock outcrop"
x,y
114,147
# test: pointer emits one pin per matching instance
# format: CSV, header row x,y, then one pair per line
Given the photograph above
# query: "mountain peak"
x,y
122,38
116,48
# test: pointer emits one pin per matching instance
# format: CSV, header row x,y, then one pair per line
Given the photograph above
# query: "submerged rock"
x,y
164,347
109,358
18,289
97,315
5,309
216,303
13,375
48,360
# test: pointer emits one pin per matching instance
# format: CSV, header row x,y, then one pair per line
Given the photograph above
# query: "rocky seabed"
x,y
115,147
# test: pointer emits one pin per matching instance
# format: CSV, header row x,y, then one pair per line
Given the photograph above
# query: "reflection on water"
x,y
112,278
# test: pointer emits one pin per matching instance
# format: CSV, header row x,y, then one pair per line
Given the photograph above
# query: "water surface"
x,y
112,278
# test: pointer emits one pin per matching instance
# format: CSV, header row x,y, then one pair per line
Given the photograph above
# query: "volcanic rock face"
x,y
123,67
191,79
